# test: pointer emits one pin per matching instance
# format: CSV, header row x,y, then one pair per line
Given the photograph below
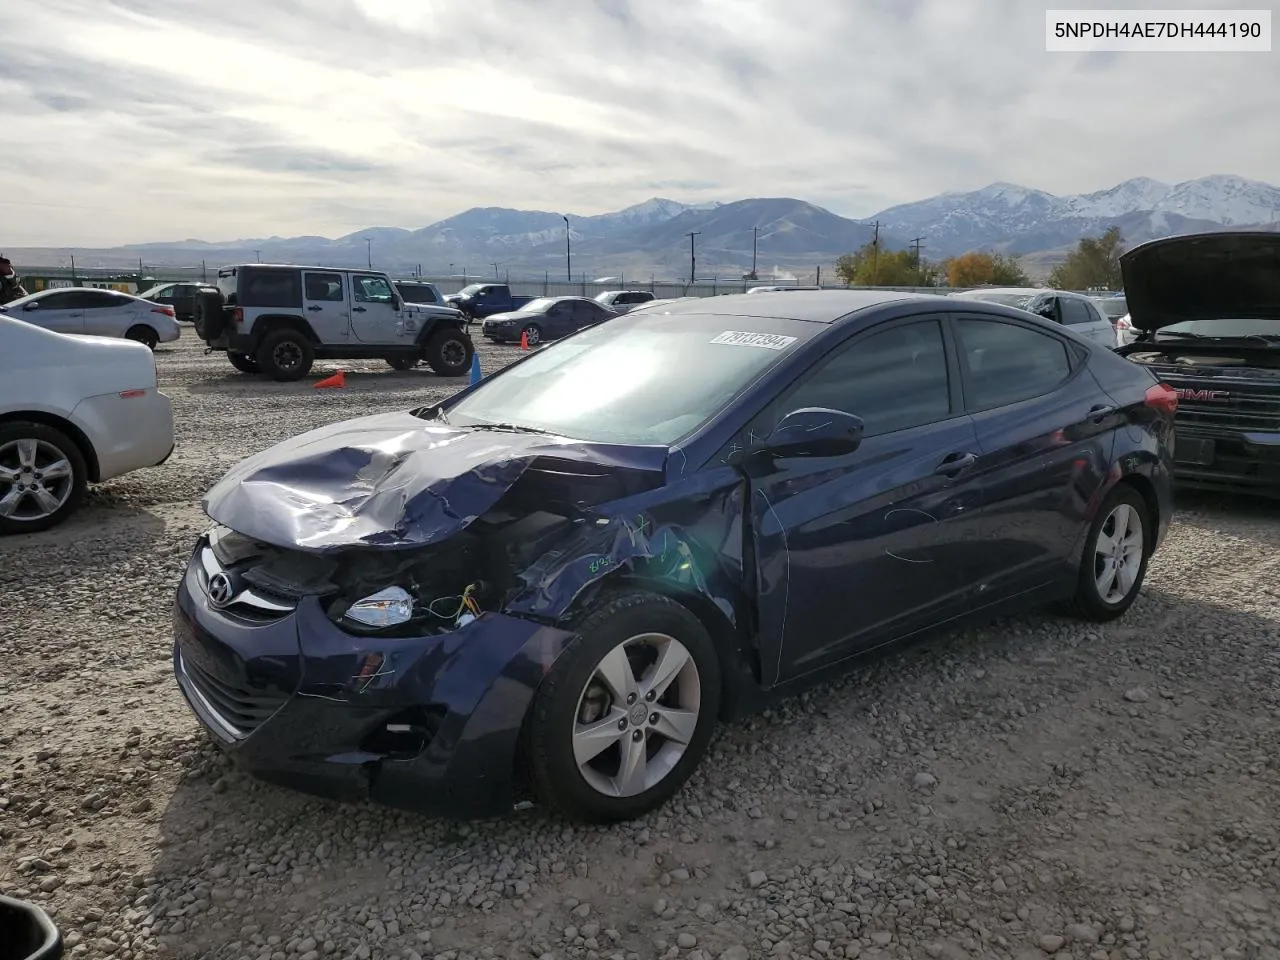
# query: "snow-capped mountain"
x,y
1008,217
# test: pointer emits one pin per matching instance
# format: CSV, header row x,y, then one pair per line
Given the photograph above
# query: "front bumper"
x,y
1228,461
500,332
286,698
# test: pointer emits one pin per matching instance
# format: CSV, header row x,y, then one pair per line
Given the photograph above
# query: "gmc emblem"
x,y
1212,396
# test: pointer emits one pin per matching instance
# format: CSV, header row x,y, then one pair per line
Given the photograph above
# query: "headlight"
x,y
386,608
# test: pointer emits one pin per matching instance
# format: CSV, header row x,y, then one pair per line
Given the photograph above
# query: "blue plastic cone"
x,y
475,368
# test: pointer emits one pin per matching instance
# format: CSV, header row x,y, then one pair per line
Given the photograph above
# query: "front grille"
x,y
257,604
240,710
1245,408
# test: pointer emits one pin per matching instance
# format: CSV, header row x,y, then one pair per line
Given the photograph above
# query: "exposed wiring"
x,y
464,603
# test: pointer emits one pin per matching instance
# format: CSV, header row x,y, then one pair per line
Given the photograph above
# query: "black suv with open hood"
x,y
1208,310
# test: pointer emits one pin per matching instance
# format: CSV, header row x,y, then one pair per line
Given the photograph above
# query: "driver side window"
x,y
894,379
371,290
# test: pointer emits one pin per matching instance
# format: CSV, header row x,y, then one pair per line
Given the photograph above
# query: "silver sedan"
x,y
96,312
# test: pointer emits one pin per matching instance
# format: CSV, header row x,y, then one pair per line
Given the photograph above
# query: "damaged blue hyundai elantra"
x,y
550,586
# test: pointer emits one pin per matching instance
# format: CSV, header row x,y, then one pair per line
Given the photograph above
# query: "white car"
x,y
1073,310
73,410
102,313
621,301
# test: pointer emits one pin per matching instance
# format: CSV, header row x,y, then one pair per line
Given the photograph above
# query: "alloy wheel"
x,y
1117,553
36,479
533,336
636,715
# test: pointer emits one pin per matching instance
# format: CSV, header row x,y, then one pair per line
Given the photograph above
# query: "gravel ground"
x,y
1038,787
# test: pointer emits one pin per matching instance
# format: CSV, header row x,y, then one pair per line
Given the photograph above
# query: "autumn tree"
x,y
975,269
871,267
1094,263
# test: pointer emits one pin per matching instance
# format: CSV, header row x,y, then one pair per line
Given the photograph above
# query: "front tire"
x,y
42,477
285,355
627,711
532,334
243,362
449,352
1115,557
143,334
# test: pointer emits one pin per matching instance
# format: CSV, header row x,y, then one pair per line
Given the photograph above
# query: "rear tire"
x,y
52,487
585,736
449,352
244,363
285,355
143,334
1115,557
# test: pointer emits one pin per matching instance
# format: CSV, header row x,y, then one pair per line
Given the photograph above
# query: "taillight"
x,y
1163,398
167,311
237,316
131,394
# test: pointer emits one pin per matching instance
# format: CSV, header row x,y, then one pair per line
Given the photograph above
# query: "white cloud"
x,y
161,119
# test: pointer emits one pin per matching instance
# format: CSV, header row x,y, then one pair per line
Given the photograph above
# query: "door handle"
x,y
1100,411
953,463
314,309
358,309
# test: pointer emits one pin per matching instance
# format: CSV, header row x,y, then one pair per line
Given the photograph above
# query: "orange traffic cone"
x,y
524,340
339,379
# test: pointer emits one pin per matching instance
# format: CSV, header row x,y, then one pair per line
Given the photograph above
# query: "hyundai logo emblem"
x,y
220,590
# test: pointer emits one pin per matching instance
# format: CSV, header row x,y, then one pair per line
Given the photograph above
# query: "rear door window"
x,y
270,288
1007,362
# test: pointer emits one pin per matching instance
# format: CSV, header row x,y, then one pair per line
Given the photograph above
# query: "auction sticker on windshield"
x,y
770,341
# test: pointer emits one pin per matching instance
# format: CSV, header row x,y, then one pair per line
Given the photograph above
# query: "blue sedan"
x,y
554,583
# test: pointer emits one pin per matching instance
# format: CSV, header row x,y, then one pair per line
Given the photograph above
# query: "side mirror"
x,y
29,934
33,305
815,432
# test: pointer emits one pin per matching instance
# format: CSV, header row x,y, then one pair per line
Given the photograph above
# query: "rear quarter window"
x,y
269,288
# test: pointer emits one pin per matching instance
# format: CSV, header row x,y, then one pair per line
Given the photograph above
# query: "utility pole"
x,y
204,274
368,249
568,251
139,268
875,253
495,270
915,242
73,270
755,233
258,254
693,259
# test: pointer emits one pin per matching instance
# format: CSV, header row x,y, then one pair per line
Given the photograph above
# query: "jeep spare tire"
x,y
285,354
207,315
449,352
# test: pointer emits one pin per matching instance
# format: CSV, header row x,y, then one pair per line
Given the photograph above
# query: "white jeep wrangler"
x,y
278,319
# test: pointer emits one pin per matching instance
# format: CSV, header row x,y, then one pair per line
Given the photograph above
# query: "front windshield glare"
x,y
645,380
537,306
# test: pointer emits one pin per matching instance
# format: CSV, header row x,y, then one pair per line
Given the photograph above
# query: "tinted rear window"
x,y
269,288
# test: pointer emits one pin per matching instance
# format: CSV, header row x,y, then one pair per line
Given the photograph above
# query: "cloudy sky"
x,y
133,120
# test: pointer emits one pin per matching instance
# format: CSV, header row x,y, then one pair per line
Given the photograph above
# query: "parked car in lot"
x,y
1069,309
73,410
547,318
659,306
101,313
420,291
1205,310
180,296
780,289
621,301
554,582
480,300
279,319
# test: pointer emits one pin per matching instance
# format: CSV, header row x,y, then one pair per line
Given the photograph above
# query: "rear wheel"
x,y
42,477
244,363
449,352
626,713
1115,556
141,333
285,355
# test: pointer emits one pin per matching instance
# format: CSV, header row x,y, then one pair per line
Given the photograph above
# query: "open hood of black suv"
x,y
1207,276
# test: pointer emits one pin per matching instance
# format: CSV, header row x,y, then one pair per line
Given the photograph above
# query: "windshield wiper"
x,y
1179,334
507,428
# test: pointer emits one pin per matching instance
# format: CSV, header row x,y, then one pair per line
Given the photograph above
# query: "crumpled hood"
x,y
391,480
1207,276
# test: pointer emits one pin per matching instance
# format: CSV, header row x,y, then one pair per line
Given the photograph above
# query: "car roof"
x,y
815,306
